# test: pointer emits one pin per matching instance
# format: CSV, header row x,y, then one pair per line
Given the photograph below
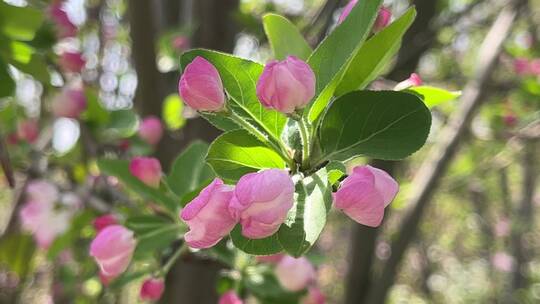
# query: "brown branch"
x,y
5,163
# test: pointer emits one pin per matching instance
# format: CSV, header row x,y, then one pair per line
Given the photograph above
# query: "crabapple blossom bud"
x,y
28,130
261,202
104,221
365,193
105,279
295,274
208,215
147,170
286,85
70,103
200,86
112,249
534,66
72,62
383,19
230,297
43,222
413,81
42,191
64,27
503,227
510,119
152,289
151,130
503,262
521,66
314,296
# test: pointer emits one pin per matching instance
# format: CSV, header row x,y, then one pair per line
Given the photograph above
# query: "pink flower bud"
x,y
503,262
261,202
45,224
314,296
112,249
503,227
230,297
152,289
104,221
64,27
413,81
347,10
181,43
28,130
12,138
365,193
534,66
42,191
72,62
510,119
208,216
105,279
69,103
271,259
147,170
295,274
200,86
151,130
521,66
286,85
383,19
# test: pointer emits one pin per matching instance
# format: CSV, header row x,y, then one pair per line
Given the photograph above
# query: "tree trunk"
x,y
434,168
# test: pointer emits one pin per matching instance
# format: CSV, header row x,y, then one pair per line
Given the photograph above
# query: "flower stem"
x,y
181,250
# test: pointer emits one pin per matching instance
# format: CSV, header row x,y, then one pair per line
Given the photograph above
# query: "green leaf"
x,y
78,223
285,38
336,170
120,170
17,253
172,112
332,57
236,153
36,66
306,220
189,170
375,54
158,239
239,78
19,23
433,96
266,246
7,85
128,277
377,124
142,224
95,114
122,124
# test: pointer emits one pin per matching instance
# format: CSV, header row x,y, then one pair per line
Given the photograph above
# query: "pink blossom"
x,y
147,170
64,27
200,86
208,216
230,297
151,130
105,279
69,103
502,227
286,85
383,19
413,81
502,261
152,289
28,130
181,43
510,119
104,221
521,66
43,222
72,62
314,296
534,66
112,249
365,193
261,202
42,191
295,274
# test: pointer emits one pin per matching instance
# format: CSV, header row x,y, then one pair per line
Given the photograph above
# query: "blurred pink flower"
x,y
286,85
70,103
103,221
314,296
147,170
200,86
534,66
151,130
521,66
383,19
28,130
295,274
181,43
64,27
271,259
261,202
413,81
230,297
502,227
72,62
208,216
112,249
43,222
152,289
42,191
365,193
502,261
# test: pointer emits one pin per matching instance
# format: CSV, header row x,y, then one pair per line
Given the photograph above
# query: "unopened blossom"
x,y
43,222
261,202
503,262
534,66
295,274
113,249
103,221
72,62
42,191
383,19
64,27
152,289
413,81
105,279
70,103
151,130
230,297
365,193
314,296
208,215
28,130
147,170
287,85
521,66
200,86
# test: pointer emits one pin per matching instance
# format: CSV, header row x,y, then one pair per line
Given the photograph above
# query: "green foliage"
x,y
266,246
236,153
285,38
172,112
122,124
7,85
433,96
20,23
189,170
153,233
17,252
381,125
375,54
